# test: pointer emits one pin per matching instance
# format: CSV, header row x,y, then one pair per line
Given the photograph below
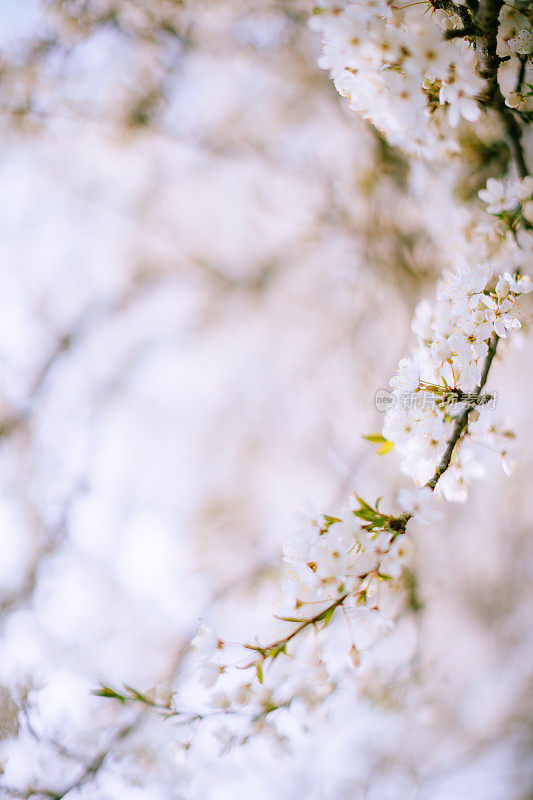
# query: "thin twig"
x,y
462,420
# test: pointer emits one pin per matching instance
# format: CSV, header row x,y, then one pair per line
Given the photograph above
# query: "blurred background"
x,y
208,267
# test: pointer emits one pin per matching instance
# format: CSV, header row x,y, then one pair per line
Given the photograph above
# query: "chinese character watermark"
x,y
421,401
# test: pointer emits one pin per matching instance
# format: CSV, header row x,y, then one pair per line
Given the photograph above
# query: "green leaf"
x,y
371,515
275,651
107,691
385,448
256,648
327,615
376,438
136,694
363,503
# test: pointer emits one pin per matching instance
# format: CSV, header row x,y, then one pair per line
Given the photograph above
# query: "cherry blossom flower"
x,y
205,641
420,503
208,673
407,378
459,103
522,43
499,196
400,553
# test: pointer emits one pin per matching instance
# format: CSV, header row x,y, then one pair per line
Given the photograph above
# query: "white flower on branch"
x,y
460,102
504,316
522,284
208,673
420,503
464,287
522,43
499,196
400,554
407,378
205,641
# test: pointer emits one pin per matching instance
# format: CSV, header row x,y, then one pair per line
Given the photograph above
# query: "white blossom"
x,y
499,196
220,700
460,103
407,378
400,553
420,503
522,43
243,694
205,641
209,673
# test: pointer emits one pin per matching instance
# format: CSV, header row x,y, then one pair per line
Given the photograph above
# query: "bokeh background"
x,y
208,267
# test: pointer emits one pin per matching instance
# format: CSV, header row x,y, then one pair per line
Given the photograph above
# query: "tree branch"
x,y
488,63
462,420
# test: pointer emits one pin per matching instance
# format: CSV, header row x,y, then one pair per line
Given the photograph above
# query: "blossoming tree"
x,y
420,168
415,71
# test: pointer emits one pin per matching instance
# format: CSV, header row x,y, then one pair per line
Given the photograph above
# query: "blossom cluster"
x,y
413,72
515,42
241,697
392,64
415,84
510,200
353,561
332,556
472,310
409,68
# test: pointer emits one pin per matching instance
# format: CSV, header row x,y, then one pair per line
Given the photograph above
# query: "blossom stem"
x,y
305,623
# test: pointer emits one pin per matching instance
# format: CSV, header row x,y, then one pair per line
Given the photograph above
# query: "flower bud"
x,y
209,673
355,656
221,701
242,694
320,673
527,211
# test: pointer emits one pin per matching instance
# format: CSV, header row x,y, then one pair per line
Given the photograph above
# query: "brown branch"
x,y
462,420
88,772
94,766
488,63
304,624
459,33
514,135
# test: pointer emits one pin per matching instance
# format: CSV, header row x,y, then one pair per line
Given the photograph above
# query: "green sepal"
x,y
376,438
